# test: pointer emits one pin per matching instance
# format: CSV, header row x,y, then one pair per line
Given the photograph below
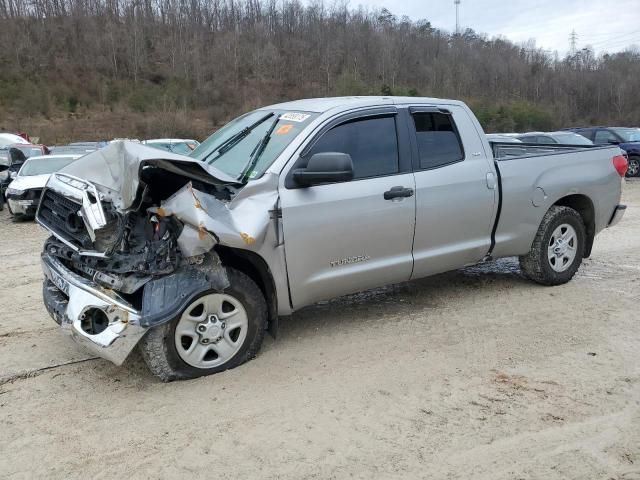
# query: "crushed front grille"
x,y
60,215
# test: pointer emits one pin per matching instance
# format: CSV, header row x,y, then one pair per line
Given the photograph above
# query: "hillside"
x,y
90,69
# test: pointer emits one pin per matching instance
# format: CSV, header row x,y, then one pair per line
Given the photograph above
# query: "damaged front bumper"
x,y
22,207
97,318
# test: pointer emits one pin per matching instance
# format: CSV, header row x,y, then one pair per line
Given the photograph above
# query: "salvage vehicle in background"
x,y
194,258
7,139
174,145
23,193
498,137
13,161
78,147
31,150
628,139
554,138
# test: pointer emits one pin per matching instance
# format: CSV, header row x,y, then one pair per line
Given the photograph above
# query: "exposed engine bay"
x,y
145,218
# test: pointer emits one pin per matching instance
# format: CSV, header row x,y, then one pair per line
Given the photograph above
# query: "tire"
x,y
557,223
634,167
166,353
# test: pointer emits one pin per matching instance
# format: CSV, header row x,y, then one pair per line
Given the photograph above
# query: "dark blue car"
x,y
627,138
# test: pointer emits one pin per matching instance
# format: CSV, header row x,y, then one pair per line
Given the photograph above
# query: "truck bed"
x,y
533,177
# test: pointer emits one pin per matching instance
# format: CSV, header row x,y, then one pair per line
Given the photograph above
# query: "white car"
x,y
10,139
23,194
183,146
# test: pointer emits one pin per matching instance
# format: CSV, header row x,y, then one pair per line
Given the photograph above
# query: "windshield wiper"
x,y
233,140
257,152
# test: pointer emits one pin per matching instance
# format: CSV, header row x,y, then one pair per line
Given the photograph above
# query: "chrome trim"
x,y
123,331
92,211
51,264
71,188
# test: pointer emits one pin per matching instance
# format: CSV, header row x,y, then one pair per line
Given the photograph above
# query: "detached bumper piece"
x,y
97,318
618,213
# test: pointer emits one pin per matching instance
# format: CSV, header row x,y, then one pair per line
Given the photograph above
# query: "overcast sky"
x,y
608,25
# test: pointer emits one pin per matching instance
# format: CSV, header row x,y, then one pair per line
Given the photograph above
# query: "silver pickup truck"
x,y
194,258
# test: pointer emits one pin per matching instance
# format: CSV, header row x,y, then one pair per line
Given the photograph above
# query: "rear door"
x,y
456,191
346,237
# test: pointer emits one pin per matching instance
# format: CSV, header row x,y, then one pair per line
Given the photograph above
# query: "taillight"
x,y
620,163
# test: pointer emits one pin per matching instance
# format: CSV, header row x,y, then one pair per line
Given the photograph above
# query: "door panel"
x,y
343,238
346,237
455,202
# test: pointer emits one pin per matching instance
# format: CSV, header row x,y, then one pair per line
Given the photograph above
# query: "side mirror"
x,y
326,167
614,142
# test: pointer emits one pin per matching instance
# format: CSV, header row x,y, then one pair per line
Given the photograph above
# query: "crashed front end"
x,y
133,239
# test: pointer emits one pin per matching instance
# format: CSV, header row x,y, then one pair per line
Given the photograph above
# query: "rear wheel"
x,y
217,331
558,248
633,170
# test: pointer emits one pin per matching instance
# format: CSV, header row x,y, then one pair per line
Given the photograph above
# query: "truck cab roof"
x,y
337,104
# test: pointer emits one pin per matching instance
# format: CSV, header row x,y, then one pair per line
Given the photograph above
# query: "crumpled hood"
x,y
29,182
117,167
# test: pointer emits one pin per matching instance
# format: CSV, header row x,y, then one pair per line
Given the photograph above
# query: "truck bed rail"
x,y
510,151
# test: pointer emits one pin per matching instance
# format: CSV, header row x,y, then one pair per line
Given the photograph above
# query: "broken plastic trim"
x,y
166,297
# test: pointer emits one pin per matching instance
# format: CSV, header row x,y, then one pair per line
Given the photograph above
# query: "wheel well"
x,y
252,265
584,206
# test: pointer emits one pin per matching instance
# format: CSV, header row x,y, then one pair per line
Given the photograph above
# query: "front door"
x,y
346,237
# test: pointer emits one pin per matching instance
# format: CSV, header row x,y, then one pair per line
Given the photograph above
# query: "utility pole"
x,y
457,4
573,40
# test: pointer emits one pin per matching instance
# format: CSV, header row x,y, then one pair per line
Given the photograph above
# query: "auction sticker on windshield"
x,y
294,117
284,129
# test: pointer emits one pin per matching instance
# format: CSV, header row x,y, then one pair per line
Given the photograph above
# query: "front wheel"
x,y
633,170
558,248
219,330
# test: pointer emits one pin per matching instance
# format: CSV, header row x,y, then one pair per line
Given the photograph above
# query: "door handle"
x,y
398,192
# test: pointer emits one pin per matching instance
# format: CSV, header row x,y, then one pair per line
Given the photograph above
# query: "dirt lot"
x,y
473,374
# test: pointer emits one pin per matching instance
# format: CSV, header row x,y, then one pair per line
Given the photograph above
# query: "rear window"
x,y
572,139
438,140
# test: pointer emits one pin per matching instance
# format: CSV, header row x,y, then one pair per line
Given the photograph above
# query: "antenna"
x,y
573,40
457,4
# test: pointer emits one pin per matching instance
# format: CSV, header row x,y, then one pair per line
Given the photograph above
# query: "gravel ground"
x,y
472,374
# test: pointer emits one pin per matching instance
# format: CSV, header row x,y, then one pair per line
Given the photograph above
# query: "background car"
x,y
554,138
11,164
10,139
30,150
23,193
627,138
502,138
182,146
80,148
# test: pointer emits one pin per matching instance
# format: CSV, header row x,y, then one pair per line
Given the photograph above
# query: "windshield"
x,y
628,134
571,139
42,166
234,160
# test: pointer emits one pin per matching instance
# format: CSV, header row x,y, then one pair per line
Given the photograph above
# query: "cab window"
x,y
371,142
438,140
